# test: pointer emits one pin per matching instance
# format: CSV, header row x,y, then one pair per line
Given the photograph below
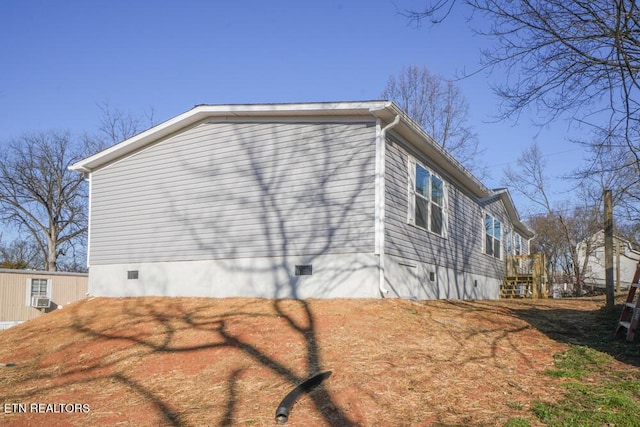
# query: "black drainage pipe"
x,y
282,413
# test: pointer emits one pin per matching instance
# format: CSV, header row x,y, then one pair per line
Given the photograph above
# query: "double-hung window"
x,y
508,241
426,199
493,236
37,288
512,242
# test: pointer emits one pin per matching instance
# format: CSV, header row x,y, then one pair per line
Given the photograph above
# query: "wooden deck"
x,y
525,277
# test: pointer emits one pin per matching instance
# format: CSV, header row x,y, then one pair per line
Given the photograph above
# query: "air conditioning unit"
x,y
40,302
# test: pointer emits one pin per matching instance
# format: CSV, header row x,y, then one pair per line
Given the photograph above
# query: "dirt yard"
x,y
222,362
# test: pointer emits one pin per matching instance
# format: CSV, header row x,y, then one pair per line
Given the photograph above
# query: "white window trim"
x,y
411,208
510,238
411,211
484,236
525,246
28,290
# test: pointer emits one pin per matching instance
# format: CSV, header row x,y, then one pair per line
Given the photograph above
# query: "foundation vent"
x,y
304,270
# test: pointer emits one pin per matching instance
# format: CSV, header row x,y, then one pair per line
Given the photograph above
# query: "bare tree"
x,y
571,58
39,195
116,126
630,232
613,167
20,254
529,178
439,107
561,227
550,241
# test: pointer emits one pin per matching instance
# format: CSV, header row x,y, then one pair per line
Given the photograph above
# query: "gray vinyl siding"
x,y
229,190
462,247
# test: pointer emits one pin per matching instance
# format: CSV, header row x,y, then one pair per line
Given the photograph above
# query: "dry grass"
x,y
219,362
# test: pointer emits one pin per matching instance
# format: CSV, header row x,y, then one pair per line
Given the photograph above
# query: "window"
x,y
493,236
512,242
426,199
509,241
39,288
437,204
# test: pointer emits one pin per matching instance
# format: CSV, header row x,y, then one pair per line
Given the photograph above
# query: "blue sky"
x,y
61,59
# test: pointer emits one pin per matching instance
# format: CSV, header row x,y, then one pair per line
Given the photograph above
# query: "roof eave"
x,y
411,131
135,142
504,194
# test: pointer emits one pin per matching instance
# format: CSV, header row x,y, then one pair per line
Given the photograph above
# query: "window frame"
x,y
513,242
509,242
29,289
486,236
431,205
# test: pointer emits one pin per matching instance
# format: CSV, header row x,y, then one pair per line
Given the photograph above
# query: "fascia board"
x,y
42,272
505,196
138,141
413,133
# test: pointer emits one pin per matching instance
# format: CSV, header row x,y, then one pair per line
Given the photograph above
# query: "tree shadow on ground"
x,y
196,361
295,315
144,347
590,328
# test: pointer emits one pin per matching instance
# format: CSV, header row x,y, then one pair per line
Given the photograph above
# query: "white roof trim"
x,y
504,195
42,272
408,128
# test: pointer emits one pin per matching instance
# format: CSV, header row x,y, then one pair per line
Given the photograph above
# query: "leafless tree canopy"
x,y
439,107
20,254
558,228
563,57
529,178
39,195
116,126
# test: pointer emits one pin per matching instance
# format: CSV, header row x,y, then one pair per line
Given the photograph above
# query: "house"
x,y
625,260
27,294
344,199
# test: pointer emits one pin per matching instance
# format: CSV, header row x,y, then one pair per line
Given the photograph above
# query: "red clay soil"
x,y
223,362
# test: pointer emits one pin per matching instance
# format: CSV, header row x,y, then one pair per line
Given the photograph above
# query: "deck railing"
x,y
525,277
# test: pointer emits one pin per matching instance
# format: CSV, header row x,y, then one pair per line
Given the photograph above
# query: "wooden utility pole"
x,y
618,249
608,249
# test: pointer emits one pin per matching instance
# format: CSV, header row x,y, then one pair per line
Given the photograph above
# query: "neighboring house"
x,y
624,255
346,199
27,294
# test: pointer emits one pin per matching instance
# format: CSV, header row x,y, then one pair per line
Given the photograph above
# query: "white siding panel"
x,y
224,190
